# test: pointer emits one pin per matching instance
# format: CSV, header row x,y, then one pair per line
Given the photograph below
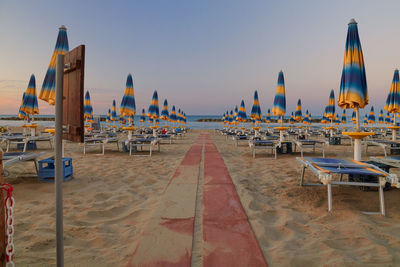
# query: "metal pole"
x,y
394,130
357,142
58,161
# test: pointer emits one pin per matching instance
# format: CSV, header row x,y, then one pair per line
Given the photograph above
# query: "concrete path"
x,y
223,235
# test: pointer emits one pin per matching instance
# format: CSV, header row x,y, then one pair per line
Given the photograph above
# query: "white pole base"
x,y
281,136
357,149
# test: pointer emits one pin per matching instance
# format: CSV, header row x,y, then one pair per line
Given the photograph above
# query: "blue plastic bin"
x,y
46,170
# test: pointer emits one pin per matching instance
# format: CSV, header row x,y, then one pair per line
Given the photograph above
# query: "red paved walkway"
x,y
227,234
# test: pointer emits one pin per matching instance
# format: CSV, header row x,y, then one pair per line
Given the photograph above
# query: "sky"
x,y
203,56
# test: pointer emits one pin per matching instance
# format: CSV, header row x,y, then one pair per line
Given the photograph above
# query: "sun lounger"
x,y
240,138
393,161
10,158
307,143
167,137
144,142
99,141
325,168
384,144
263,144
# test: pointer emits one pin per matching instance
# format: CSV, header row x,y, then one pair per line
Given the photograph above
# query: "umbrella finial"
x,y
62,27
352,21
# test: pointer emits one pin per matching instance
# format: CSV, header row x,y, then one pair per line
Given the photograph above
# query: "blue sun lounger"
x,y
325,168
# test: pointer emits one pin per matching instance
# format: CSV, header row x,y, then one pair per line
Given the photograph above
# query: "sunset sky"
x,y
203,56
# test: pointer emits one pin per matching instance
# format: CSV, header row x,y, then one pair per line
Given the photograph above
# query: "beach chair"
x,y
10,158
240,138
310,143
263,144
99,141
150,142
384,144
325,168
393,161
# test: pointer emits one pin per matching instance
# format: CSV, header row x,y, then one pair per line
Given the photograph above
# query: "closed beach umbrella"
x,y
172,117
344,119
292,120
256,110
298,114
268,117
324,120
242,116
381,119
128,105
279,108
164,112
154,111
30,103
108,119
330,109
21,114
393,100
353,117
366,119
307,118
143,116
388,120
87,106
114,112
236,113
371,116
353,84
48,92
337,120
230,119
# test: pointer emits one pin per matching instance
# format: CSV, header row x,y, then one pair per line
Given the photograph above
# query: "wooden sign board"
x,y
73,125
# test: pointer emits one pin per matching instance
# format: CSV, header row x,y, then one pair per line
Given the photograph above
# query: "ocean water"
x,y
191,122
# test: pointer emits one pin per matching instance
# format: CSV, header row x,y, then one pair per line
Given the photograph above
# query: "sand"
x,y
110,199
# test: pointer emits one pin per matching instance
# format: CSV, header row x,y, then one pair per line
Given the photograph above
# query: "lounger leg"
x,y
341,177
254,153
25,146
329,197
384,150
382,200
102,148
8,145
276,156
150,150
130,149
301,152
36,167
323,152
302,175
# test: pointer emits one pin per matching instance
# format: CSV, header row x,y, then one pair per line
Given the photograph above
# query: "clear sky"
x,y
203,56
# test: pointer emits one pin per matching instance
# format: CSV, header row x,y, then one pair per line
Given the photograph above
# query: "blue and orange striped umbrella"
x,y
114,116
343,119
164,112
307,118
365,119
87,106
371,116
353,116
256,110
292,120
242,116
393,100
173,118
143,116
298,116
330,109
128,105
108,118
337,120
279,108
388,120
381,118
268,117
154,111
30,103
48,92
235,113
184,117
21,114
324,120
353,85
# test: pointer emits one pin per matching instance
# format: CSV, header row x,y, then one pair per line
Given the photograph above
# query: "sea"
x,y
192,122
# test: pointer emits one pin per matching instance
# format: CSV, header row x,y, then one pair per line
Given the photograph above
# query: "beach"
x,y
111,199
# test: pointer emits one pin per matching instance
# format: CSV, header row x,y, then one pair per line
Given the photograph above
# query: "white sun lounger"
x,y
304,144
263,144
10,158
144,142
384,144
99,141
324,169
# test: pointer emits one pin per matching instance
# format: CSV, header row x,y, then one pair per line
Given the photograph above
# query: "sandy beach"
x,y
108,204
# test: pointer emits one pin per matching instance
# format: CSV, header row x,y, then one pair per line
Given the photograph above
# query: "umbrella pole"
x,y
58,161
357,142
281,137
331,130
394,131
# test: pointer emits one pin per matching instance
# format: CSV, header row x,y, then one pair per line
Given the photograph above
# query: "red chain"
x,y
9,204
